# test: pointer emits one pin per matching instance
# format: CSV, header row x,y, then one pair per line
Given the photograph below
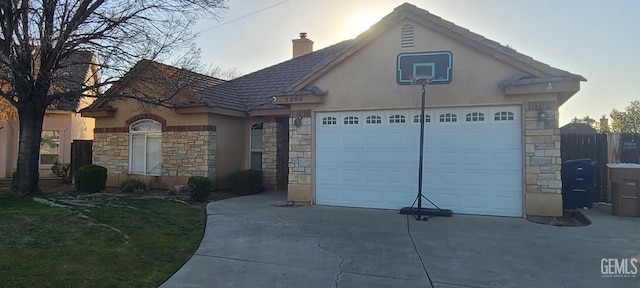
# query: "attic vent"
x,y
406,36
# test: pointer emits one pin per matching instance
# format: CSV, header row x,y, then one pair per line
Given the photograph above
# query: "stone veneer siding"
x,y
270,154
111,150
543,163
300,151
186,150
189,153
542,148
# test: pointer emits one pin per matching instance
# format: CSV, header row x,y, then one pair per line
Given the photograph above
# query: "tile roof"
x,y
258,88
71,77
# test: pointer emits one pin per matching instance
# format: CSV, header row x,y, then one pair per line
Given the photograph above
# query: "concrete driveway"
x,y
251,242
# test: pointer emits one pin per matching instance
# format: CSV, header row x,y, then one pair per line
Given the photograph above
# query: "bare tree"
x,y
38,39
221,73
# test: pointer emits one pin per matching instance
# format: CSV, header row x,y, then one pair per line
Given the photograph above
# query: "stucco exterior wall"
x,y
366,80
231,152
6,148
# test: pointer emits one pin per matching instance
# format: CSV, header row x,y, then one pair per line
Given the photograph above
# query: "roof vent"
x,y
406,36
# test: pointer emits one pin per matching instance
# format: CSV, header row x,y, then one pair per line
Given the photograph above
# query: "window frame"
x,y
148,133
58,148
397,119
504,116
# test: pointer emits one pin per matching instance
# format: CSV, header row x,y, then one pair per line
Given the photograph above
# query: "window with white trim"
x,y
427,118
145,147
503,116
448,117
256,145
329,120
350,120
474,117
50,147
374,119
397,119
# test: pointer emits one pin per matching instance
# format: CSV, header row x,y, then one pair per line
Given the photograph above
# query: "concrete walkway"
x,y
254,242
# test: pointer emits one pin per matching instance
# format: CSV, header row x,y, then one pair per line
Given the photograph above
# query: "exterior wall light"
x,y
297,121
542,116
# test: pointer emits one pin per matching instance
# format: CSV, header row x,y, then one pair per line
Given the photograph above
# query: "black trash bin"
x,y
578,183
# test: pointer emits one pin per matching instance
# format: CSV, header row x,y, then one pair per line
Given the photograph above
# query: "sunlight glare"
x,y
361,21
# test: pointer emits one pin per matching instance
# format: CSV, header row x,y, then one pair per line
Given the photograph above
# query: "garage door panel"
x,y
470,167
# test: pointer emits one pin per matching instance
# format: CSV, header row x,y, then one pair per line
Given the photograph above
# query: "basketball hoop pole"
x,y
422,120
419,211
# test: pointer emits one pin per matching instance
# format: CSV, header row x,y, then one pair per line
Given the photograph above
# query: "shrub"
x,y
199,188
246,182
90,178
62,170
132,185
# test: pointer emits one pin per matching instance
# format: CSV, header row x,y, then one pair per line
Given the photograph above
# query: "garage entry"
x,y
472,160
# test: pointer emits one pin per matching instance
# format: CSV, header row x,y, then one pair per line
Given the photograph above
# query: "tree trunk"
x,y
27,174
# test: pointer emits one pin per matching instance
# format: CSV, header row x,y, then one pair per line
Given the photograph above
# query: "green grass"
x,y
44,246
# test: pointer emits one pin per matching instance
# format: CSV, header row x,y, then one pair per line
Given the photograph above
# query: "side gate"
x,y
592,146
81,154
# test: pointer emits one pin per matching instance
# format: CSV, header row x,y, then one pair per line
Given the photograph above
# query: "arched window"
x,y
475,117
397,119
145,147
427,118
329,120
448,117
503,116
350,120
374,119
256,146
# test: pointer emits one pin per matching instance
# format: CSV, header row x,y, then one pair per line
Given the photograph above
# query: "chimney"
x,y
302,46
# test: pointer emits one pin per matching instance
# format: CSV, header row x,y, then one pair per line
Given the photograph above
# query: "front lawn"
x,y
103,241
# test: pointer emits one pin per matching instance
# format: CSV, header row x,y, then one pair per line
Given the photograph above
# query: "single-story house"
x,y
340,126
577,128
62,123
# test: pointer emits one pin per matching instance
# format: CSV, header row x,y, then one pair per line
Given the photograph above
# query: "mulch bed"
x,y
56,186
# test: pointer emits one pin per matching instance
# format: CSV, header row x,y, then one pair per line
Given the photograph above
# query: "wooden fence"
x,y
603,148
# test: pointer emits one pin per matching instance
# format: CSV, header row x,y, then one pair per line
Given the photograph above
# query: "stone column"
x,y
542,159
270,154
299,189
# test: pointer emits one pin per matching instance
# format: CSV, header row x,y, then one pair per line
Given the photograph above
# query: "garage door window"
x,y
350,120
329,121
397,119
475,117
427,118
504,116
448,117
374,119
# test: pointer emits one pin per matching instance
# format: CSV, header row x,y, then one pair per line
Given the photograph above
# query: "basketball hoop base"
x,y
426,212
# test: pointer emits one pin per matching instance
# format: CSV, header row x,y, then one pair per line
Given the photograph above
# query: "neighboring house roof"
x,y
256,90
577,128
72,77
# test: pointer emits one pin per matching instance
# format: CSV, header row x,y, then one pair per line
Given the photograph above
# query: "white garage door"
x,y
472,160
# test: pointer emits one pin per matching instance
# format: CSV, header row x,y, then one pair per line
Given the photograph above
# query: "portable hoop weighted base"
x,y
419,211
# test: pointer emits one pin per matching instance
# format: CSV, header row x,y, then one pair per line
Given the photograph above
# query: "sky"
x,y
597,39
